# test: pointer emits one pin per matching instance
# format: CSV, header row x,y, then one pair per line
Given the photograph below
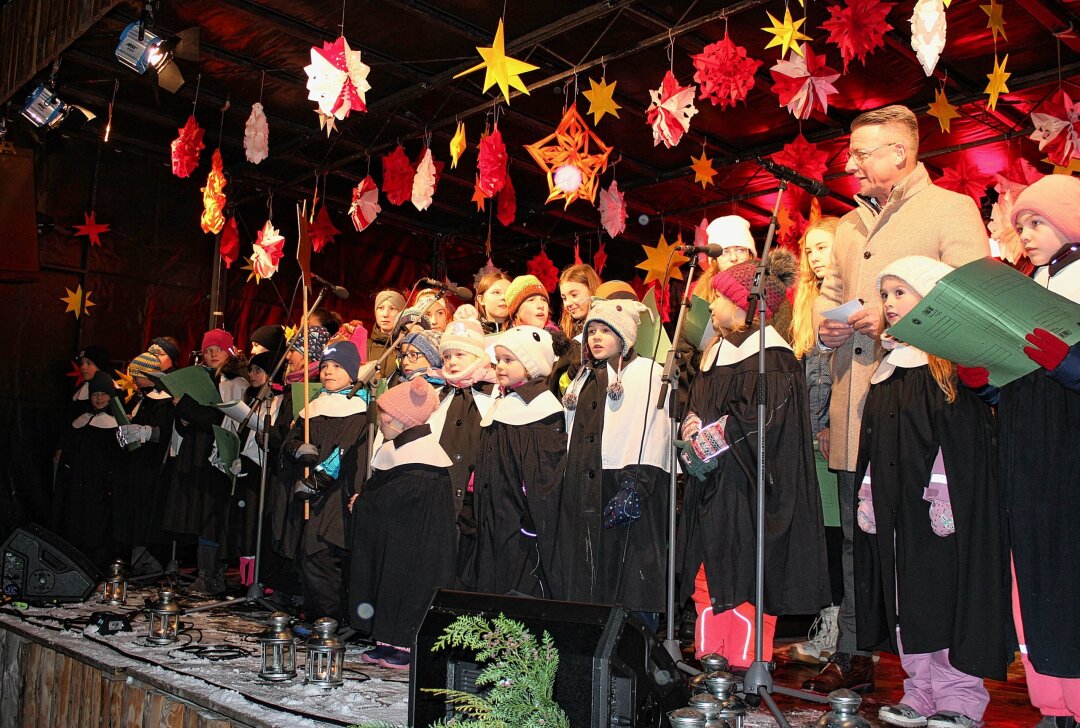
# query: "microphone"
x,y
814,186
712,249
460,291
339,291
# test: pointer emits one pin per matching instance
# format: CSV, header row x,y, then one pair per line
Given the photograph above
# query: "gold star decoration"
x,y
77,302
252,273
994,22
457,145
703,169
943,111
478,196
786,34
997,82
656,265
601,99
126,383
502,70
572,144
290,332
326,122
1074,166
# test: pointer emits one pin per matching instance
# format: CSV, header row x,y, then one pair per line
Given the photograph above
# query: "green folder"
x,y
228,449
193,381
298,399
697,326
651,331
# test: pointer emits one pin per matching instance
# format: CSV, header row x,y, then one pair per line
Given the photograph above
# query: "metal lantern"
x,y
712,662
164,619
326,655
686,718
114,591
277,649
845,711
710,706
732,708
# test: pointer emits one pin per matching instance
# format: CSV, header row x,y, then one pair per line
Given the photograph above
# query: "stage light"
x,y
326,655
845,711
43,108
164,619
141,49
278,650
114,591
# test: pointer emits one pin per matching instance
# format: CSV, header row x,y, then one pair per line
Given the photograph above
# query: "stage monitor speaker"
x,y
40,567
612,672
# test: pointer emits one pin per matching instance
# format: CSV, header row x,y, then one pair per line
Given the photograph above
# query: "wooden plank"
x,y
62,700
92,709
12,653
172,714
47,686
112,701
155,702
31,698
134,697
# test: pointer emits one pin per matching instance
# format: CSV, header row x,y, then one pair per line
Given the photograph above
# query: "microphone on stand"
x,y
712,249
339,291
460,291
814,186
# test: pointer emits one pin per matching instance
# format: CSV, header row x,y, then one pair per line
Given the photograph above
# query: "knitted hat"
x,y
731,231
918,271
532,346
317,338
396,299
521,288
166,347
97,355
735,282
411,316
1055,197
622,317
271,338
266,362
411,403
102,382
616,291
464,333
219,338
345,355
144,364
427,343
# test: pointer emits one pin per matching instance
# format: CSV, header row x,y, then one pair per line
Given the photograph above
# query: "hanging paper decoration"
x,y
398,176
803,82
126,384
928,33
256,135
1057,128
337,79
804,157
91,228
186,148
365,204
478,196
213,196
268,251
601,99
489,267
506,203
995,22
326,122
966,179
423,185
786,34
572,157
229,243
701,232
670,111
724,73
322,231
542,267
492,163
502,70
1010,183
457,145
943,111
577,253
997,79
703,169
613,210
76,370
77,302
790,226
662,261
858,28
599,259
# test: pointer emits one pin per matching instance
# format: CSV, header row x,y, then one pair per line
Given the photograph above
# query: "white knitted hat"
x,y
532,346
731,231
464,333
918,271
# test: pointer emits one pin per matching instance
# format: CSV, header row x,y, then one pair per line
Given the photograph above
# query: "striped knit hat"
x,y
427,343
143,365
521,288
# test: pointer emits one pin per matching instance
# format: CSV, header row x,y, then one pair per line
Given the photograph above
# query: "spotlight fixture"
x,y
141,49
43,108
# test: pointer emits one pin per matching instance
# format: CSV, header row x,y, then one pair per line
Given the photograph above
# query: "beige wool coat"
x,y
918,219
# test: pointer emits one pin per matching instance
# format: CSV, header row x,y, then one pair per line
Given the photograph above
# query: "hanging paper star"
x,y
802,82
656,264
804,157
76,371
995,22
997,82
943,111
577,254
249,265
601,99
928,28
506,203
478,195
337,79
229,243
701,232
1057,128
322,231
703,169
77,302
492,163
423,186
365,204
256,135
398,176
966,179
670,112
724,73
327,123
613,210
126,384
542,267
92,228
457,145
858,28
213,195
268,252
572,145
599,259
186,148
786,34
502,70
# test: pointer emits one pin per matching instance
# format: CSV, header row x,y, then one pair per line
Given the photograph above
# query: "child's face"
x,y
333,377
439,316
1039,237
143,382
456,361
726,316
388,426
256,376
818,249
509,371
533,312
257,348
87,368
214,356
494,302
897,298
99,400
165,361
732,256
385,316
603,342
412,359
576,299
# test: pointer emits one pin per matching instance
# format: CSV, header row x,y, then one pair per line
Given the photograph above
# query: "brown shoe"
x,y
854,672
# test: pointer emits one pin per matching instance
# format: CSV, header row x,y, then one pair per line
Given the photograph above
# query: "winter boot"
x,y
822,639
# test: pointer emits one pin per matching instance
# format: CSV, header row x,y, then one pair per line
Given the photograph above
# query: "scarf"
x,y
298,376
479,371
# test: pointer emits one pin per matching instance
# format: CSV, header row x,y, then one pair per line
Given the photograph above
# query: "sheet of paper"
x,y
298,399
193,381
979,314
651,331
844,312
122,419
237,410
698,324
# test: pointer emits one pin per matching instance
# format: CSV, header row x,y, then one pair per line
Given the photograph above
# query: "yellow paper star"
x,y
656,263
703,169
77,302
290,331
997,82
786,34
502,70
572,144
1074,166
947,3
478,196
995,22
601,99
126,383
326,122
249,266
943,111
457,145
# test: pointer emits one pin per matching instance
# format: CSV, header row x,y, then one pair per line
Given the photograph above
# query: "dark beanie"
x,y
169,348
266,361
102,382
345,355
97,355
271,338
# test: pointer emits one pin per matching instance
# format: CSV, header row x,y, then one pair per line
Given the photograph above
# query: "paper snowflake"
x,y
724,73
337,79
365,204
670,112
803,82
186,148
613,210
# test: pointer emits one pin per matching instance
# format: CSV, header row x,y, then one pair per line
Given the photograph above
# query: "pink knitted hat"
x,y
410,403
1055,197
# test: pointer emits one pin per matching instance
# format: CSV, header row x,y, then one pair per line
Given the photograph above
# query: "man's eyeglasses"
x,y
410,355
861,155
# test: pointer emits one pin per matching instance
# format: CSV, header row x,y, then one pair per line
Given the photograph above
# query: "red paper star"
x,y
803,83
506,203
478,196
858,28
492,163
803,157
398,176
229,244
542,267
966,179
322,230
92,229
599,259
724,72
76,373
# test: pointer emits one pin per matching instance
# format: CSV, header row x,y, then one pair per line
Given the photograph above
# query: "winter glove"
x,y
973,378
692,465
306,454
1046,350
236,467
691,424
941,516
128,434
624,507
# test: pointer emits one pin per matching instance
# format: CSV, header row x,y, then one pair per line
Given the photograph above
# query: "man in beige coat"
x,y
899,213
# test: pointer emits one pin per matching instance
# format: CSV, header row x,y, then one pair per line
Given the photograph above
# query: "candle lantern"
x,y
164,619
686,718
845,711
114,591
326,655
732,707
277,649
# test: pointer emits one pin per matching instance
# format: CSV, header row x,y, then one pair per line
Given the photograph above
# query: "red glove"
x,y
973,377
1046,350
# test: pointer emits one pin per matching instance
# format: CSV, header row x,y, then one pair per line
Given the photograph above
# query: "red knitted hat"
x,y
219,338
410,403
735,282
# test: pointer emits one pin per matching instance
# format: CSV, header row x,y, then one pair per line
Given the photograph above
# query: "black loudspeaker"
x,y
611,671
40,567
